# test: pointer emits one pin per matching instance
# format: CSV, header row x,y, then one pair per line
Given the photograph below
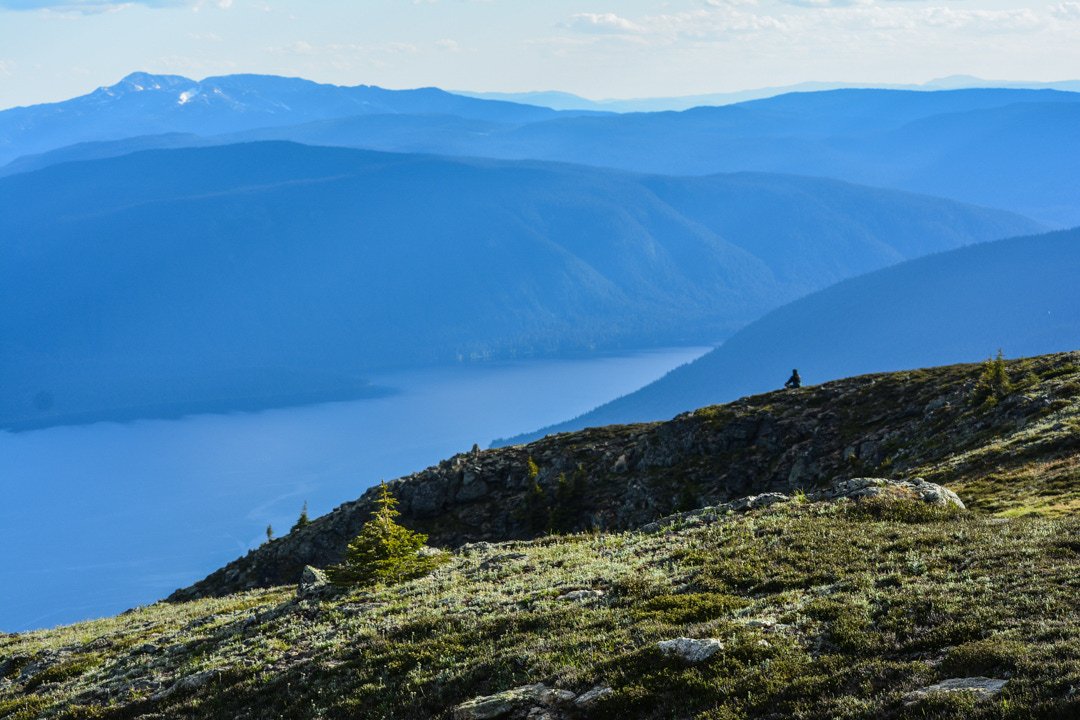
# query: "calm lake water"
x,y
99,518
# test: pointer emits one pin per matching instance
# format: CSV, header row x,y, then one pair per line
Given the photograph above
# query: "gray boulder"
x,y
690,649
313,582
982,687
522,700
868,487
589,698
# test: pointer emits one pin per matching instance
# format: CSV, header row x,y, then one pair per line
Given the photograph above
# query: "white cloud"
x,y
1066,10
825,3
603,23
91,7
723,21
6,67
448,45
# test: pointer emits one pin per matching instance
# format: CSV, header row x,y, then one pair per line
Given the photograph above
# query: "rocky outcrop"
x,y
853,489
313,583
916,489
621,477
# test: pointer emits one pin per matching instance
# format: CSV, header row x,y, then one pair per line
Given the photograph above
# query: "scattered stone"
x,y
508,701
690,649
590,697
579,595
982,687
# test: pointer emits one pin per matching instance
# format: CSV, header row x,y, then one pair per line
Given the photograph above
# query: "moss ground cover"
x,y
825,611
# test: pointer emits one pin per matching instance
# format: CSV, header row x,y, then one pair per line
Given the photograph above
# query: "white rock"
x,y
590,697
506,702
582,595
690,649
982,687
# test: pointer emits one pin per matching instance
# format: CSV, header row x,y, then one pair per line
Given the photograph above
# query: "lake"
x,y
99,518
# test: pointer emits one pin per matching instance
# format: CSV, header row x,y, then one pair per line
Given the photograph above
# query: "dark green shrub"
x,y
896,508
990,657
685,608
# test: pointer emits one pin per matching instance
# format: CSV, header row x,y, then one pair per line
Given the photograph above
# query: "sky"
x,y
56,49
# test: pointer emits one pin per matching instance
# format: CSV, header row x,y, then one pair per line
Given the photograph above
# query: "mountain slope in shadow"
x,y
160,277
1017,295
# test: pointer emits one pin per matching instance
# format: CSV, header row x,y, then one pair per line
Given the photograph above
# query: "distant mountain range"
x,y
568,101
1018,295
145,104
230,276
1013,149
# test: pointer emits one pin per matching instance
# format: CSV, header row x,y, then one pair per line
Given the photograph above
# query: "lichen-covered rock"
x,y
853,489
691,650
867,487
983,688
313,582
754,502
589,698
523,699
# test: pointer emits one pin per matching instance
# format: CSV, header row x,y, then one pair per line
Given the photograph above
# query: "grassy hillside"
x,y
1016,295
846,609
824,612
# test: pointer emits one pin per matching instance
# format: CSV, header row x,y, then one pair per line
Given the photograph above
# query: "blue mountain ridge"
x,y
152,281
1018,295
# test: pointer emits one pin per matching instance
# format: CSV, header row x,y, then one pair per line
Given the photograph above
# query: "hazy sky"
x,y
53,49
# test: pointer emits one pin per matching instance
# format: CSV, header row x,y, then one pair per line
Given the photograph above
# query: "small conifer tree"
x,y
383,552
269,533
302,521
993,383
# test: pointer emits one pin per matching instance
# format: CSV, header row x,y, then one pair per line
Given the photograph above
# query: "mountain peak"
x,y
139,81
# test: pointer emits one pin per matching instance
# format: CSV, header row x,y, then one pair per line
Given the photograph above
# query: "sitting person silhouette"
x,y
794,381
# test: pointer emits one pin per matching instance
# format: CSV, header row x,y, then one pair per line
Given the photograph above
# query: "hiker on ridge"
x,y
794,381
